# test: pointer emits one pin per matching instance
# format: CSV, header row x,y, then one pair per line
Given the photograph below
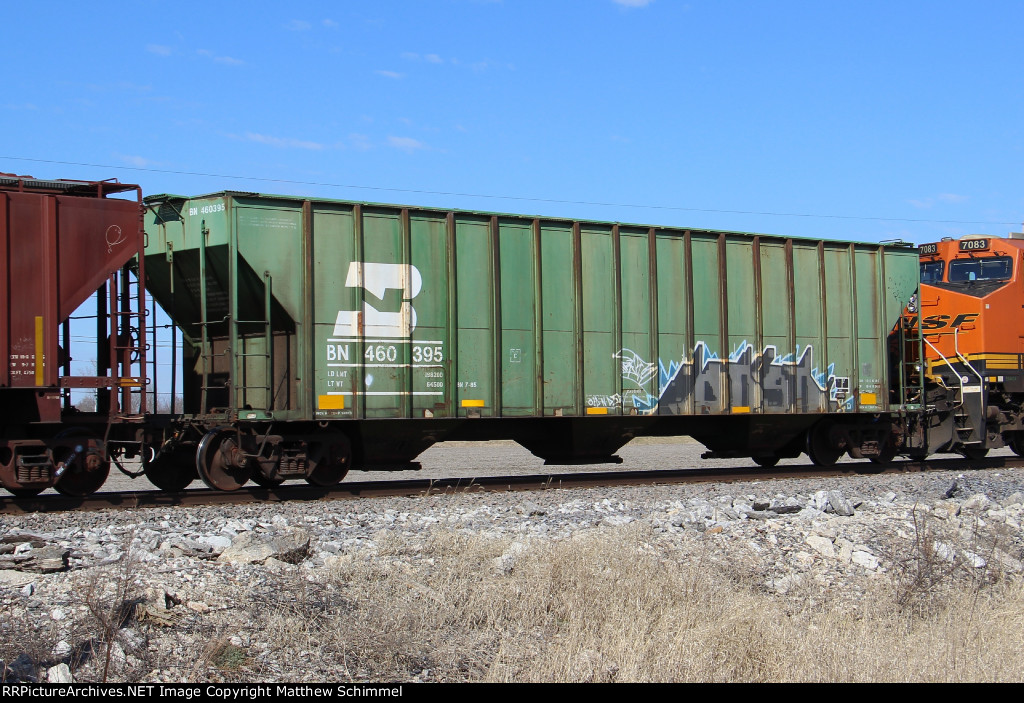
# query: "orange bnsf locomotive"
x,y
966,346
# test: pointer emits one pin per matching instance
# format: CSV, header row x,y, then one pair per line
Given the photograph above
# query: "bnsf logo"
x,y
936,322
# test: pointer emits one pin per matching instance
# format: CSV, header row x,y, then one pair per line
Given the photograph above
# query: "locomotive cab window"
x,y
990,268
931,271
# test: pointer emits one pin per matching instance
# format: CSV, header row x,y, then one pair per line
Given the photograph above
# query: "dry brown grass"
x,y
616,606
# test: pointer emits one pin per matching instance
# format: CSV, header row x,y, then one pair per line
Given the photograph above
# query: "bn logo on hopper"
x,y
384,286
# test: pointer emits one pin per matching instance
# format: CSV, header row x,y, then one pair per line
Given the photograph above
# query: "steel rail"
x,y
455,486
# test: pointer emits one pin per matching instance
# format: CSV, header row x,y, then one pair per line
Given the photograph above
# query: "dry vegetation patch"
x,y
619,605
609,604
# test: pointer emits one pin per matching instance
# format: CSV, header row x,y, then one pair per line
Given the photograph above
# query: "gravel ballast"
x,y
187,578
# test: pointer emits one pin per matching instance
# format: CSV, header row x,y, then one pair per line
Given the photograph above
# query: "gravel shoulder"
x,y
200,580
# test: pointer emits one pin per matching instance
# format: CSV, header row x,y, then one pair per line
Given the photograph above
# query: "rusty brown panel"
x,y
5,319
29,276
95,238
51,256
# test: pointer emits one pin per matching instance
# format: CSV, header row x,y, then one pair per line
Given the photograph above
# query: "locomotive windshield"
x,y
990,268
931,271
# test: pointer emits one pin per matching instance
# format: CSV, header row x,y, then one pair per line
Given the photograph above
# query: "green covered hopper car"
x,y
320,335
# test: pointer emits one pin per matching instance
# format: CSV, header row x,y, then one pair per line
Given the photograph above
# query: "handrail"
x,y
959,379
962,358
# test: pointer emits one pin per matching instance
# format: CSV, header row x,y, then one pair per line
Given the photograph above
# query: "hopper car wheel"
x,y
1017,443
216,461
172,471
330,461
819,446
87,469
885,457
766,461
973,452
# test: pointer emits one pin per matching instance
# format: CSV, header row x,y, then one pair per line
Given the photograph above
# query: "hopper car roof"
x,y
155,200
10,181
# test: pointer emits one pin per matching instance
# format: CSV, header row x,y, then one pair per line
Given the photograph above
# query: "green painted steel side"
x,y
300,309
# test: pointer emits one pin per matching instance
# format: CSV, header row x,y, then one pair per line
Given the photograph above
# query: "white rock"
x,y
866,559
822,545
826,531
975,560
290,545
10,577
59,674
786,583
217,543
977,503
839,505
943,551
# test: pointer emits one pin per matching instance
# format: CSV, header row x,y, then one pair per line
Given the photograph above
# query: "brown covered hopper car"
x,y
60,242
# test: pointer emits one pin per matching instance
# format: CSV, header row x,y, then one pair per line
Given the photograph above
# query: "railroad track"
x,y
449,486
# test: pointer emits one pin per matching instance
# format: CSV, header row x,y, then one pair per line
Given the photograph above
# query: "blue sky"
x,y
714,113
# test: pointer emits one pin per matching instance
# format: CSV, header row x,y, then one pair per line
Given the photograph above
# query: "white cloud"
x,y
283,142
406,144
413,56
360,142
389,74
229,60
633,3
929,202
159,49
137,161
298,26
330,24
